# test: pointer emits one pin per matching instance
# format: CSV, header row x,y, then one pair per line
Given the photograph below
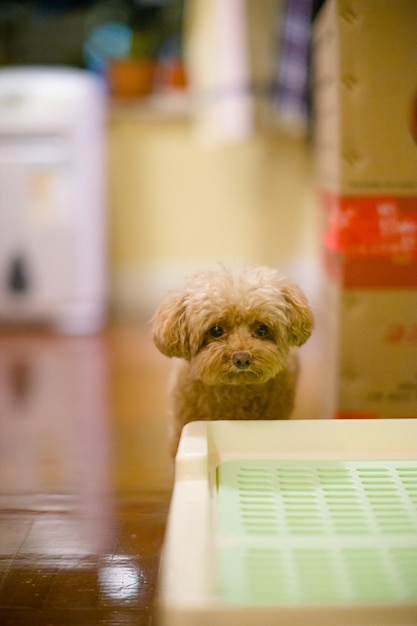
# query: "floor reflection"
x,y
54,440
33,578
81,517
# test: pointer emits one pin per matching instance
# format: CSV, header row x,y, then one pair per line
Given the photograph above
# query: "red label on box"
x,y
372,226
371,272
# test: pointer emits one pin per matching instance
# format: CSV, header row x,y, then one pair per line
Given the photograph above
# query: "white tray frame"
x,y
186,596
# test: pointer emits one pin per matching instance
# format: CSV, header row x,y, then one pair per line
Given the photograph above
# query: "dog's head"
x,y
234,328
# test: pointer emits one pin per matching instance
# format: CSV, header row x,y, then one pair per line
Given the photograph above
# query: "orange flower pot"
x,y
130,78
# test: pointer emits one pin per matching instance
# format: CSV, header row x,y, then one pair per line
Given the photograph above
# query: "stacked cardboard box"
x,y
365,92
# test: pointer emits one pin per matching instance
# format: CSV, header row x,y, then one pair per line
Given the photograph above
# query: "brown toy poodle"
x,y
235,334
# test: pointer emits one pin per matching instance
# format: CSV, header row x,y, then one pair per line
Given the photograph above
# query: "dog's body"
x,y
235,334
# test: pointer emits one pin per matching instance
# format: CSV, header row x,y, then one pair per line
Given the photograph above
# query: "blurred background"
x,y
206,131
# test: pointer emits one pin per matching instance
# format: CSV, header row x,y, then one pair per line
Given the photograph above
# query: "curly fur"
x,y
262,317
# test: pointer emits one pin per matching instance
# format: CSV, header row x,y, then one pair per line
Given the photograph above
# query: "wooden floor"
x,y
85,477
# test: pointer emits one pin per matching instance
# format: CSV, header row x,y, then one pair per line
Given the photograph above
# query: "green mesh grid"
x,y
295,532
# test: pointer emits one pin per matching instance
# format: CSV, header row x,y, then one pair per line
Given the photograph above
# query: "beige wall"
x,y
176,204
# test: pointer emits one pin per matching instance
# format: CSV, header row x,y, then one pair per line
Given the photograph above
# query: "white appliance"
x,y
52,218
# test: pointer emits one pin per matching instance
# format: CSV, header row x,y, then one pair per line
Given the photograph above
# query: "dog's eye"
x,y
216,331
261,330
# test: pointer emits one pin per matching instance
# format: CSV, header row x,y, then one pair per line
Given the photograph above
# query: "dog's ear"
x,y
170,328
300,316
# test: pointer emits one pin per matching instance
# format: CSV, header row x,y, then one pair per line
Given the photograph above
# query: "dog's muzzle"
x,y
242,359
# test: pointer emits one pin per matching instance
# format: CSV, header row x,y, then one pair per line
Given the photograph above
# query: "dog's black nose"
x,y
242,359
